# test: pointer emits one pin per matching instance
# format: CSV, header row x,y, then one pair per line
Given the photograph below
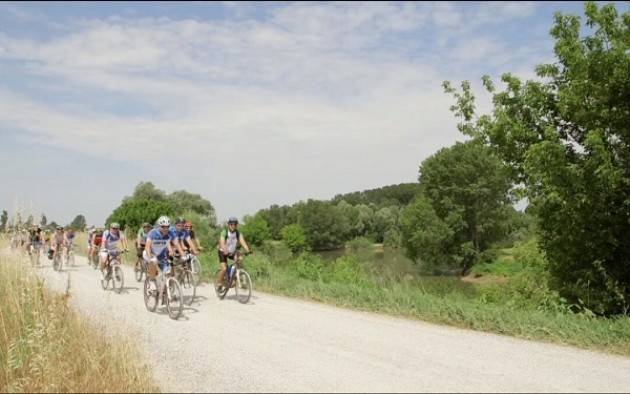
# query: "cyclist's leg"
x,y
222,268
102,259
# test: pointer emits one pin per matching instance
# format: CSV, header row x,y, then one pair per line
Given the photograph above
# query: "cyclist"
x,y
70,235
189,227
183,236
96,241
229,240
46,239
90,232
111,238
57,242
159,247
36,239
141,241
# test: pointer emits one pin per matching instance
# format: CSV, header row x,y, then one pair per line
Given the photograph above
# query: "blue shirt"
x,y
159,242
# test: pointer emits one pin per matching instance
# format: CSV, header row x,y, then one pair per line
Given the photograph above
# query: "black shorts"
x,y
223,258
140,250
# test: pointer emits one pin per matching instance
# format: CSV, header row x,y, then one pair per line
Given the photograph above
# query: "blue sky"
x,y
248,104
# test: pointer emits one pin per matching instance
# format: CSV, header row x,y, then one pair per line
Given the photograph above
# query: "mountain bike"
x,y
70,255
164,288
58,258
114,271
93,259
184,273
140,268
237,278
35,253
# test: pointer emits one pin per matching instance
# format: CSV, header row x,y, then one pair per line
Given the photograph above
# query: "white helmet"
x,y
164,221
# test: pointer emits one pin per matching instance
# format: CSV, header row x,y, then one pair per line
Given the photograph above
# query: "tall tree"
x,y
3,220
467,188
566,138
184,201
79,223
43,221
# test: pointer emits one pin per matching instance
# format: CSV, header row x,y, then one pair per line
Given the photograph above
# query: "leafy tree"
x,y
133,212
43,221
3,220
147,191
566,140
324,225
205,229
401,194
384,219
52,226
29,221
255,230
293,236
79,223
467,188
184,201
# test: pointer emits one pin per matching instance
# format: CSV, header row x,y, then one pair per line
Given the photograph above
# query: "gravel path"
x,y
283,345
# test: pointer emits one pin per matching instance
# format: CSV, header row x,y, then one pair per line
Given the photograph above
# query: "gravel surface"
x,y
277,344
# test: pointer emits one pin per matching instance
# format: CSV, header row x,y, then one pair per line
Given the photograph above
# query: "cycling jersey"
x,y
231,238
181,235
110,240
192,237
159,243
98,239
143,236
58,238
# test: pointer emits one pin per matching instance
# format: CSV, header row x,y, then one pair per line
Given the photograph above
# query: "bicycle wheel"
x,y
71,258
57,261
150,295
174,300
220,294
139,270
195,266
105,280
189,288
243,287
118,279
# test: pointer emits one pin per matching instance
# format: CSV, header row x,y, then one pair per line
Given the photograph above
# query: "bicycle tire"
x,y
174,299
105,280
195,267
189,288
118,278
243,287
139,271
150,295
220,294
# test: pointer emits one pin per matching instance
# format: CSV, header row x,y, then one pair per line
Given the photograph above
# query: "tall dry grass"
x,y
46,347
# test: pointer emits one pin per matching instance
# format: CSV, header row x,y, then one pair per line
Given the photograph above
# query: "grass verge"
x,y
46,347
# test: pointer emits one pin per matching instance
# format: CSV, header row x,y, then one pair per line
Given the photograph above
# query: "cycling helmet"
x,y
180,220
59,227
115,226
164,221
232,220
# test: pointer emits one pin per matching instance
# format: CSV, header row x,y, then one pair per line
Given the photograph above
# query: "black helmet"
x,y
232,220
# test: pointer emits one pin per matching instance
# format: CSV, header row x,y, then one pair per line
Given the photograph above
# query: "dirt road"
x,y
284,345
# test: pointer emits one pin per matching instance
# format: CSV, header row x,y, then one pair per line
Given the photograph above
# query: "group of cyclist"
x,y
35,239
157,245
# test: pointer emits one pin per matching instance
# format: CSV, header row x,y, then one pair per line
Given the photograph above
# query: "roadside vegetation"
x,y
46,347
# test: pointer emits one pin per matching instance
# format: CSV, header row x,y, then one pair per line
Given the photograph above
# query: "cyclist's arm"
x,y
191,245
123,240
243,243
179,247
147,248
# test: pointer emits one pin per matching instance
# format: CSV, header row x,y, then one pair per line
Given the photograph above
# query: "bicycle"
x,y
186,277
114,271
93,259
235,277
58,258
166,289
70,255
35,253
140,268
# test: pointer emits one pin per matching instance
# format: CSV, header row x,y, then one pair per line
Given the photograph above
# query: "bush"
x,y
310,267
293,236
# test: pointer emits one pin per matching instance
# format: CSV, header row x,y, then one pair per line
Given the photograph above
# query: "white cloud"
x,y
319,92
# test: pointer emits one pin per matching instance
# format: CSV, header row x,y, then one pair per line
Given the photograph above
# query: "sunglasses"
x,y
164,226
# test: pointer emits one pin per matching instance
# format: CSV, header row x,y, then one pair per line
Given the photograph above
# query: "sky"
x,y
247,104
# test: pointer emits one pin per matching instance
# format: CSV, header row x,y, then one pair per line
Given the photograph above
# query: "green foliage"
x,y
255,230
184,201
79,223
133,212
204,228
398,195
359,244
324,225
293,236
566,139
309,267
4,218
29,221
392,238
277,251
